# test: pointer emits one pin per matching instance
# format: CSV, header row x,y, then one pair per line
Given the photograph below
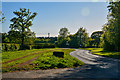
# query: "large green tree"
x,y
22,23
14,36
5,38
73,41
96,36
82,37
63,32
79,39
63,39
112,27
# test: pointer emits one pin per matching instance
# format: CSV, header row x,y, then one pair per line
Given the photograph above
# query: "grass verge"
x,y
10,55
101,52
46,60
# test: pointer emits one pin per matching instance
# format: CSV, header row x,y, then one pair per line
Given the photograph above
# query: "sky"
x,y
51,16
54,0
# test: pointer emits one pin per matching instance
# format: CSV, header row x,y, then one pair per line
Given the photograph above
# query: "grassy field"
x,y
100,51
37,59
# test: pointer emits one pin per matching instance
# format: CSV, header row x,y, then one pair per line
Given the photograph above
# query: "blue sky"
x,y
54,15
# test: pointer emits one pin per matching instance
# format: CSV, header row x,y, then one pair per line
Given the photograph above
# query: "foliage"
x,y
112,28
5,38
79,39
96,38
14,47
63,42
10,47
73,41
63,33
2,18
45,40
63,38
14,36
43,45
21,23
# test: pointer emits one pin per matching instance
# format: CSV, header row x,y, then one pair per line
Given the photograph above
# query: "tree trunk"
x,y
22,44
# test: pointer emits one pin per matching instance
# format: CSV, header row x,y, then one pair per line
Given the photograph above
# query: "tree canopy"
x,y
2,17
63,38
112,28
96,36
22,23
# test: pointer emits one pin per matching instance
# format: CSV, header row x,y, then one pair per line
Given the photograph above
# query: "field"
x,y
101,52
37,59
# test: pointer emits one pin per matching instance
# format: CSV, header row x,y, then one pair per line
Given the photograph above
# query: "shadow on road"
x,y
108,68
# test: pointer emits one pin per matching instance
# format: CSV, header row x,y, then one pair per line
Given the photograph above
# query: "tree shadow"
x,y
106,69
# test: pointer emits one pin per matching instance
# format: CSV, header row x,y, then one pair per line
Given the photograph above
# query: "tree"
x,y
2,18
112,27
63,32
14,36
22,22
5,38
96,36
82,37
63,39
91,42
79,39
31,38
73,41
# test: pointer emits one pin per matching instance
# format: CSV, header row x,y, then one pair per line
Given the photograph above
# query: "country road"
x,y
100,67
95,67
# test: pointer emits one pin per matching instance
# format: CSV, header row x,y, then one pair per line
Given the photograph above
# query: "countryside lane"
x,y
99,67
95,67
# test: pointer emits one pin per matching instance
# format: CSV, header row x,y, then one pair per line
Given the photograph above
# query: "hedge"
x,y
15,47
43,45
10,47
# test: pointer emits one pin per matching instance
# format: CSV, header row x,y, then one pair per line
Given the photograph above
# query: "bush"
x,y
43,45
16,47
10,47
26,46
3,47
7,47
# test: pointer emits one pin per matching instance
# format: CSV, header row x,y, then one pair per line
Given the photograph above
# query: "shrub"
x,y
3,47
17,47
26,46
43,45
7,47
10,47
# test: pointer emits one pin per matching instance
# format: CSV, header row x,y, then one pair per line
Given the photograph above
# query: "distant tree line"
x,y
79,39
45,40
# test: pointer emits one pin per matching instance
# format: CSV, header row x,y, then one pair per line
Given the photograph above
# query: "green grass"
x,y
101,52
10,55
46,60
17,62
